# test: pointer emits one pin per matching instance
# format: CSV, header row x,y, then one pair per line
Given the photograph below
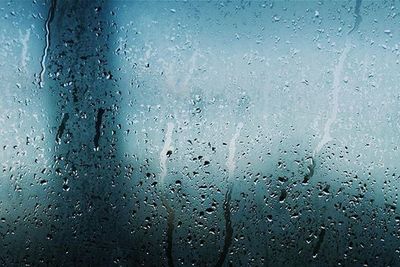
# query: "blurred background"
x,y
199,133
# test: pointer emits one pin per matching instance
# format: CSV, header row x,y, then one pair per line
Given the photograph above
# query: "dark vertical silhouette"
x,y
89,214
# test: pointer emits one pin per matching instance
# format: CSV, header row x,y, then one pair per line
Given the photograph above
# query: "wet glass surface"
x,y
199,133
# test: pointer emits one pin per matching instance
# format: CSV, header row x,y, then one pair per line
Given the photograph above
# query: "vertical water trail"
x,y
326,137
49,19
337,74
310,170
61,128
357,15
99,119
24,52
170,230
165,152
320,240
231,165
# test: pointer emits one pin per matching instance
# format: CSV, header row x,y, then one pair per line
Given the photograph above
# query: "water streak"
x,y
170,230
61,128
337,74
49,19
357,15
24,52
320,240
231,164
228,228
99,120
165,151
310,170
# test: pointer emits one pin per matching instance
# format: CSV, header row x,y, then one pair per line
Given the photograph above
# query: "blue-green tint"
x,y
199,133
